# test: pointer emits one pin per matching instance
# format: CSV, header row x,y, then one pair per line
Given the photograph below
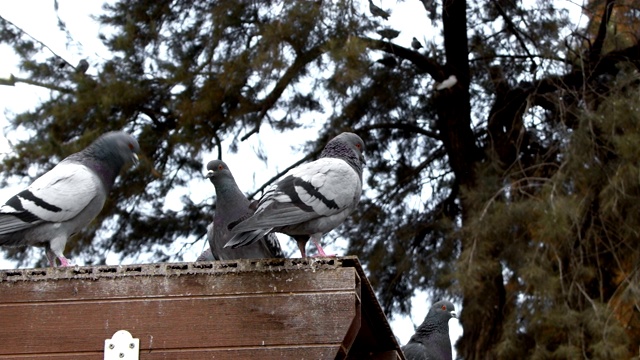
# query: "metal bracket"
x,y
122,346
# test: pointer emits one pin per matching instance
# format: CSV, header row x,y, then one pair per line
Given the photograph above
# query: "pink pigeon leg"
x,y
64,261
51,256
321,252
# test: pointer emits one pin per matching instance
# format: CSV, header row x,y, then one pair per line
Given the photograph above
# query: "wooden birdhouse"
x,y
245,309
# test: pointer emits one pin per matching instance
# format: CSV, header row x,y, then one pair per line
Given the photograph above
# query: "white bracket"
x,y
122,346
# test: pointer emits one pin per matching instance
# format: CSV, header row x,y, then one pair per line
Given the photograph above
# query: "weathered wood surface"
x,y
267,309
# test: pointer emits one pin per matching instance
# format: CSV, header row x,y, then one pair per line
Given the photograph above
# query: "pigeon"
x,y
388,61
82,67
66,198
376,11
311,200
232,205
388,33
415,44
431,340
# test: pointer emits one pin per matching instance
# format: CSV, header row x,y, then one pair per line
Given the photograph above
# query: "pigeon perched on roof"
x,y
312,199
66,198
377,11
415,44
232,205
431,340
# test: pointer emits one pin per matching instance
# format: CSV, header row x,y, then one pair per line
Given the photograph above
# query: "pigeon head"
x,y
116,146
108,154
229,198
347,146
215,169
442,311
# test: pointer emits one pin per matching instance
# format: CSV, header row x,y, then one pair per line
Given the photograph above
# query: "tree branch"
x,y
402,126
292,72
36,40
596,49
423,63
514,29
12,80
279,174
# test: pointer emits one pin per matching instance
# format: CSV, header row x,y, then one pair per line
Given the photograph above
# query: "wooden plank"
x,y
264,353
179,323
131,287
375,335
216,308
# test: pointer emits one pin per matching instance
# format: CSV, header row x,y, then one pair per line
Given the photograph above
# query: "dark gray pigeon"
x,y
431,340
377,11
82,67
388,33
232,205
415,44
312,199
66,198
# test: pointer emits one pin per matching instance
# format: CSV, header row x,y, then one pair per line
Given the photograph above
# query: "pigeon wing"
x,y
318,189
415,351
56,196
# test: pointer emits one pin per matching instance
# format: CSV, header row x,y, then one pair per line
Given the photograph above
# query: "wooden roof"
x,y
245,309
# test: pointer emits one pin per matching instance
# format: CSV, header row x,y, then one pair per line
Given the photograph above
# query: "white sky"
x,y
38,19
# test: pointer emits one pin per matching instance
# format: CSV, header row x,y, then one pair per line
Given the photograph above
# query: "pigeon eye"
x,y
444,307
130,146
220,167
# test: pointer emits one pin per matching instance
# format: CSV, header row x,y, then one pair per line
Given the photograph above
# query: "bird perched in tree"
x,y
415,44
388,61
82,67
388,33
66,198
376,11
311,199
431,340
232,205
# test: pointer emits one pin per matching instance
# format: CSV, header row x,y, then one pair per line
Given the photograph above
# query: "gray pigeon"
x,y
82,67
415,44
377,11
431,340
312,199
232,205
388,61
66,198
388,33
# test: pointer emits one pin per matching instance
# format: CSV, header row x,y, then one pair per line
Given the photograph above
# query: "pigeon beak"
x,y
136,159
453,314
209,174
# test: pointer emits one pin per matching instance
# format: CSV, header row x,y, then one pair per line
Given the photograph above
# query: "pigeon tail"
x,y
246,238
